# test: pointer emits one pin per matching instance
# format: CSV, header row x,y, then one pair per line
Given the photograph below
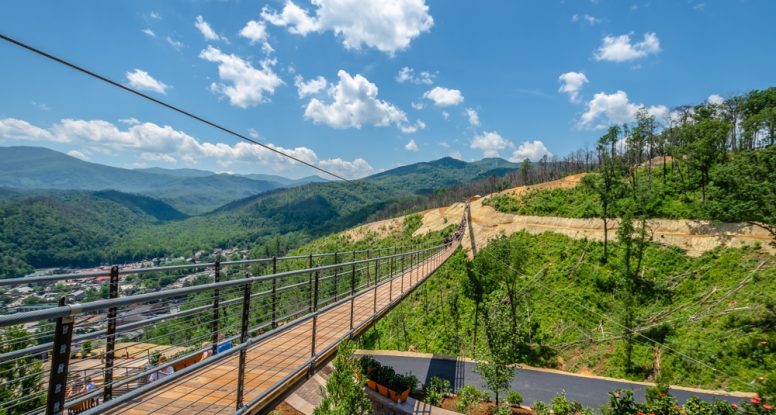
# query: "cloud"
x,y
149,32
585,18
155,15
456,155
445,115
292,16
715,99
443,97
352,103
141,80
244,85
311,87
620,48
412,128
571,83
253,133
490,143
386,25
152,142
474,118
77,154
129,121
206,30
355,169
417,105
411,146
14,129
41,106
256,32
531,150
407,74
158,157
178,45
608,109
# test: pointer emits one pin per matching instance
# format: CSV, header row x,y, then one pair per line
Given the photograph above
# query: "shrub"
x,y
435,389
541,408
514,398
562,406
468,396
695,406
621,402
502,410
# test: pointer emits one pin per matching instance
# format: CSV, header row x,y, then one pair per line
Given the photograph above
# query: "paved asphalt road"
x,y
533,385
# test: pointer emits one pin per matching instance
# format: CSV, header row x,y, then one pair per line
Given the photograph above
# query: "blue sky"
x,y
360,86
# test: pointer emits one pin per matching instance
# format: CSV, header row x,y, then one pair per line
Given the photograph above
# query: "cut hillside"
x,y
694,236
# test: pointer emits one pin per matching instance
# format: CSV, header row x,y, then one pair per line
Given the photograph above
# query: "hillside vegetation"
x,y
719,309
711,162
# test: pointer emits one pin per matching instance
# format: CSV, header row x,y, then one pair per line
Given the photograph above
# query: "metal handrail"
x,y
78,308
138,271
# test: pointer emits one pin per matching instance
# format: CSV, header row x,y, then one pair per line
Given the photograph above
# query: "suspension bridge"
x,y
236,340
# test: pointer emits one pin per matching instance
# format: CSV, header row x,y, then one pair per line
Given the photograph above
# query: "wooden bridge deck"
x,y
213,389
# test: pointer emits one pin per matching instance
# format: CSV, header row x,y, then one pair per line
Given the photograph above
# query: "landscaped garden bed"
x,y
386,381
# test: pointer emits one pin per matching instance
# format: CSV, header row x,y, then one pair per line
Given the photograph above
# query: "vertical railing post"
x,y
352,293
110,338
274,291
315,324
377,265
246,315
367,265
336,276
60,360
390,273
402,272
216,300
310,284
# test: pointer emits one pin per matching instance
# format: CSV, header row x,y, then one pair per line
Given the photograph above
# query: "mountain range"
x,y
188,190
56,210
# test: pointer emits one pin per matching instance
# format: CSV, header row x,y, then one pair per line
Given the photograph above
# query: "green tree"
x,y
497,376
607,185
744,189
20,379
705,143
344,391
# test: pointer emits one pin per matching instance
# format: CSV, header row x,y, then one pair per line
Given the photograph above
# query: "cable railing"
x,y
89,357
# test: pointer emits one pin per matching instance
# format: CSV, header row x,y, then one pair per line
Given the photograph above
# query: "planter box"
x,y
371,384
383,390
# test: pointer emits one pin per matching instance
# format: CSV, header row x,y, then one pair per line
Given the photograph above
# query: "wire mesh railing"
x,y
86,357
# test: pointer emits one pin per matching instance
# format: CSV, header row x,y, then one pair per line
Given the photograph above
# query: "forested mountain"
x,y
189,191
74,228
148,227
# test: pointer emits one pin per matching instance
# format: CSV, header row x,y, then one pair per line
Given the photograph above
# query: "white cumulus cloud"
x,y
490,143
77,154
411,146
531,150
407,74
256,32
355,169
141,80
164,144
386,25
444,97
608,109
353,102
149,32
206,30
244,85
311,87
586,18
571,84
620,48
474,118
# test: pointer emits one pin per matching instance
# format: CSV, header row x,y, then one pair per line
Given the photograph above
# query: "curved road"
x,y
534,385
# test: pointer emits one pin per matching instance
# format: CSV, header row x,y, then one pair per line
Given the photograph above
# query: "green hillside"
x,y
73,228
189,191
719,309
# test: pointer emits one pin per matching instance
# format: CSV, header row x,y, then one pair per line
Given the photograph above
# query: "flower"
x,y
734,405
640,413
755,400
768,407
